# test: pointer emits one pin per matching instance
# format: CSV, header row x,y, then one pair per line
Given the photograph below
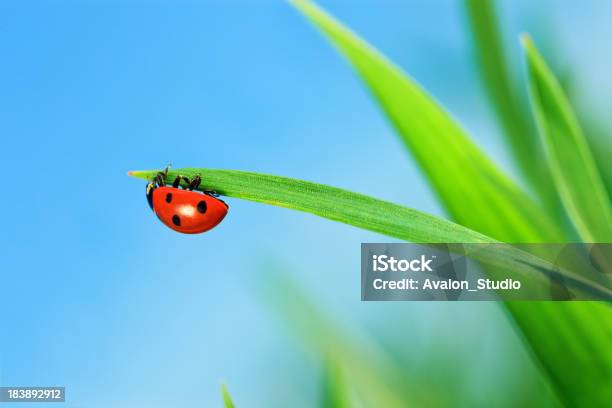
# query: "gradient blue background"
x,y
97,295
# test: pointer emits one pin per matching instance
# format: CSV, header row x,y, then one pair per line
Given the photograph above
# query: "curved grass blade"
x,y
500,85
329,202
227,399
575,173
460,173
375,215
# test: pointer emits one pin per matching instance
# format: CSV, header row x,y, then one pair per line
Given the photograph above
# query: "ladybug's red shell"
x,y
187,211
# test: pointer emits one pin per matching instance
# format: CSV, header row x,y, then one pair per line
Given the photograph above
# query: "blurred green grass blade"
x,y
594,127
574,171
375,378
500,86
227,399
375,215
571,341
471,187
335,392
601,147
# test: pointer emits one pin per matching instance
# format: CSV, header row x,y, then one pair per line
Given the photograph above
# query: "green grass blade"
x,y
227,399
329,202
375,215
571,342
598,138
335,392
602,151
575,173
460,173
500,86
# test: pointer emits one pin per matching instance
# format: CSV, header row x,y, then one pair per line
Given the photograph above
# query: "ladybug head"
x,y
150,189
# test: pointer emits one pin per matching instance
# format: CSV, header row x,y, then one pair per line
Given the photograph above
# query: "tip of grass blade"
x,y
530,49
534,59
227,399
525,40
142,174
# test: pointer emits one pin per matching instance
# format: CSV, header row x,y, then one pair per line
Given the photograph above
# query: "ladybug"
x,y
184,210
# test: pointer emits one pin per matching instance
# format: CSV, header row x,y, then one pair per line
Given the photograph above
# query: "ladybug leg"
x,y
191,184
195,182
160,179
177,181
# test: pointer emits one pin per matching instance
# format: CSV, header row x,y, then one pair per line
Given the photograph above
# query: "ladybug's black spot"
x,y
169,197
202,206
176,220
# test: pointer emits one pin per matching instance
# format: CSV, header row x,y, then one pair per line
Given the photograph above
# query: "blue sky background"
x,y
99,296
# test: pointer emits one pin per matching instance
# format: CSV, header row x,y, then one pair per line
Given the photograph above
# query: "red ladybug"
x,y
185,211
